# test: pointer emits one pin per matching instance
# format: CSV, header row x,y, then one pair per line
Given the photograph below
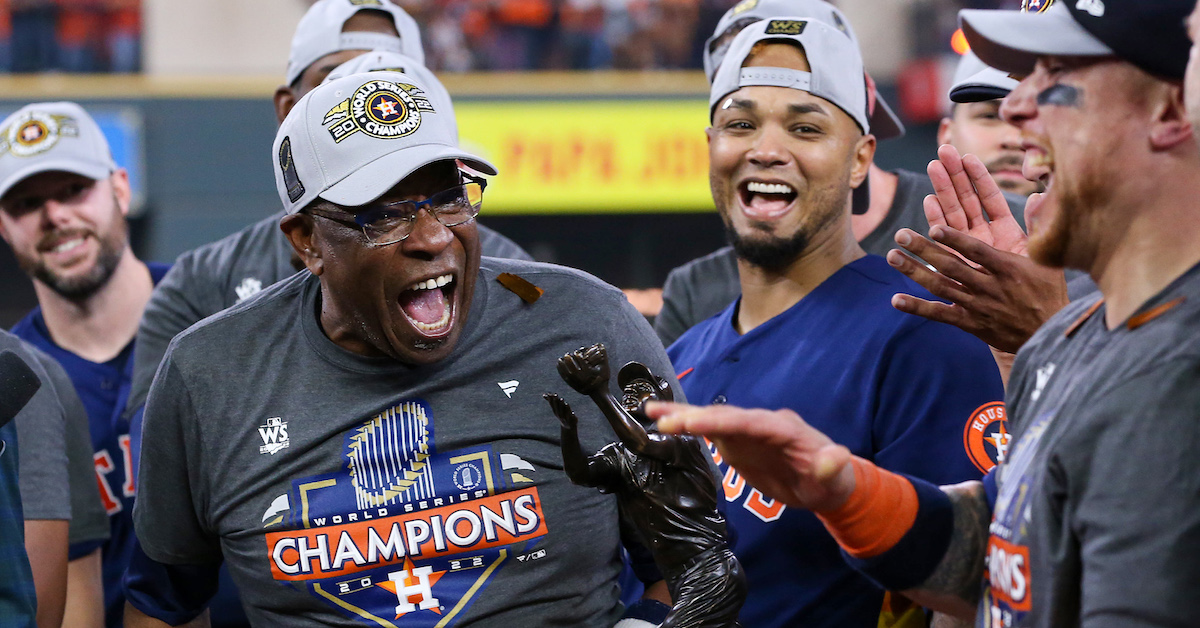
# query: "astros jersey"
x,y
914,396
1098,506
103,388
344,490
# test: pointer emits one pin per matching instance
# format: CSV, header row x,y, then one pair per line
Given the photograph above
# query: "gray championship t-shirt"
x,y
210,278
339,487
701,288
1097,519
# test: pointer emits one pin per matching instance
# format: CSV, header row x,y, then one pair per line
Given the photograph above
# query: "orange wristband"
x,y
880,511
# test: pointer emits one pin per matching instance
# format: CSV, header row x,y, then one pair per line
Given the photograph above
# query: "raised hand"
x,y
586,370
775,451
562,410
967,199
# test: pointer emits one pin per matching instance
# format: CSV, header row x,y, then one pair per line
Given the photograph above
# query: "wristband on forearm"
x,y
894,529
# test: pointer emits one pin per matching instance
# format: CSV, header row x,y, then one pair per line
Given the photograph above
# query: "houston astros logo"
x,y
36,133
380,109
1035,6
986,436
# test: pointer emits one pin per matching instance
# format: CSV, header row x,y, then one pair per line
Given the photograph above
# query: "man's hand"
x,y
776,451
996,292
562,410
585,370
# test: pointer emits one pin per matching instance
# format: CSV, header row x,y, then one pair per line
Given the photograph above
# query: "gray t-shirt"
x,y
215,276
1098,507
703,287
338,486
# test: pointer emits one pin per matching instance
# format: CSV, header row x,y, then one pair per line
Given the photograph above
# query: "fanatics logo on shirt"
x,y
274,435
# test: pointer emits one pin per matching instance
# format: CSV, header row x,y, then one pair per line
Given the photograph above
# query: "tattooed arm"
x,y
955,586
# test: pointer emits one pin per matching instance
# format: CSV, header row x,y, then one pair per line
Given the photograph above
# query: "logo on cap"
x,y
380,109
291,179
785,27
1035,6
743,6
36,133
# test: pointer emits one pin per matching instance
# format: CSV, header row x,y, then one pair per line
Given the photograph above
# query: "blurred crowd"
x,y
70,35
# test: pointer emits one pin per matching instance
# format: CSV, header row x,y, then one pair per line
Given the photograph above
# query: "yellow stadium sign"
x,y
591,156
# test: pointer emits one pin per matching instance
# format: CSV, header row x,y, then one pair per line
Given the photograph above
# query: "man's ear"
x,y
284,99
299,231
943,134
1169,122
121,190
864,154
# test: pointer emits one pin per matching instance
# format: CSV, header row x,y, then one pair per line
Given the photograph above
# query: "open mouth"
x,y
765,201
1038,166
429,305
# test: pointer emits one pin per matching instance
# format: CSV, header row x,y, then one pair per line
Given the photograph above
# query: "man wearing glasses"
x,y
367,440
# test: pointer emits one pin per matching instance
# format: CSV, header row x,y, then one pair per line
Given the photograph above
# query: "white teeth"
x,y
769,188
430,284
68,245
432,327
1041,160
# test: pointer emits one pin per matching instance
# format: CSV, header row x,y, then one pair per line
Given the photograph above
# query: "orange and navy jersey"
x,y
914,396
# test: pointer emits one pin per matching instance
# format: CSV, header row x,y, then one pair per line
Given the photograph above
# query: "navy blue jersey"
x,y
913,396
103,388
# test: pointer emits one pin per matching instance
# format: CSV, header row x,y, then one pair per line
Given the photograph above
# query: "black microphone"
x,y
18,383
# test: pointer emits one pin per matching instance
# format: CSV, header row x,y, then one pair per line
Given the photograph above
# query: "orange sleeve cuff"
x,y
880,511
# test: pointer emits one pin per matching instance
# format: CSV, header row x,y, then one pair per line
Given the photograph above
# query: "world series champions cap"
x,y
379,60
351,140
320,33
836,73
52,136
884,122
1150,34
975,81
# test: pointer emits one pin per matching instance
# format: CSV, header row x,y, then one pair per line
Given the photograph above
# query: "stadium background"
x,y
593,110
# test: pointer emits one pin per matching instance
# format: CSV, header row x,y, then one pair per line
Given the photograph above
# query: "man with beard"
x,y
894,200
64,204
814,330
367,438
1101,479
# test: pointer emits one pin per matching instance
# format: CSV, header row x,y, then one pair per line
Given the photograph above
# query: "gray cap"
x,y
351,140
836,67
884,121
52,136
1011,41
975,81
379,60
836,73
320,33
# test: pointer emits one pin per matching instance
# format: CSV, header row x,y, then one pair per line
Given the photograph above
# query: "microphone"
x,y
18,383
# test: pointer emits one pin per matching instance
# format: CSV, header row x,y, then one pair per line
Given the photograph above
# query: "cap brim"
x,y
89,170
885,124
1011,41
377,177
987,84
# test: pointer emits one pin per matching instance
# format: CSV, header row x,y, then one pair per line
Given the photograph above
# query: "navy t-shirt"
x,y
103,388
914,396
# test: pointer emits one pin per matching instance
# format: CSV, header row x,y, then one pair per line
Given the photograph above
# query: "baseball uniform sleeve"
x,y
169,523
934,380
1134,500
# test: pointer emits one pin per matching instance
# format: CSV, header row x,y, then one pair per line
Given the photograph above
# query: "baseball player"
x,y
814,330
1093,518
701,288
64,204
366,440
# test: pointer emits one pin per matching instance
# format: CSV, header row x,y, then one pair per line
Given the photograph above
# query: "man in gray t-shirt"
x,y
368,438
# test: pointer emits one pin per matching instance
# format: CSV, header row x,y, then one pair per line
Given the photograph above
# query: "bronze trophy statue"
x,y
664,485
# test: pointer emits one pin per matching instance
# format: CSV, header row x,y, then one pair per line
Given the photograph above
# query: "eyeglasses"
x,y
392,222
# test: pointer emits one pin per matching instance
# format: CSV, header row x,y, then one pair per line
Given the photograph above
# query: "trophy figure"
x,y
664,485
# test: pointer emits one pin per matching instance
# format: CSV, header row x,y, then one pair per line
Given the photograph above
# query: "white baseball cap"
x,y
379,60
884,121
52,136
320,33
975,81
351,140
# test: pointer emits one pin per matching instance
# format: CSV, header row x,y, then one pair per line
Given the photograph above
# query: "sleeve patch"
x,y
986,437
